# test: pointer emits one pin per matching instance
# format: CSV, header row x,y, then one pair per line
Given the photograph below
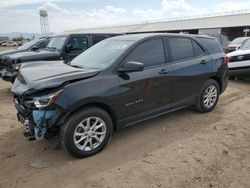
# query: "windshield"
x,y
101,55
28,45
246,45
238,41
56,43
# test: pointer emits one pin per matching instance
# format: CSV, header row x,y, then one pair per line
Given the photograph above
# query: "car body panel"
x,y
34,75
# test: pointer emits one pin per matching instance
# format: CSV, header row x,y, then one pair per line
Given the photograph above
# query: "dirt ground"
x,y
181,149
2,48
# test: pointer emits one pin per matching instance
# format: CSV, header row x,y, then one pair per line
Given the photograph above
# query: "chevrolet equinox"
x,y
116,83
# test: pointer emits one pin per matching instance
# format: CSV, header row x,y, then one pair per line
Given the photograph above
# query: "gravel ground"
x,y
181,149
2,48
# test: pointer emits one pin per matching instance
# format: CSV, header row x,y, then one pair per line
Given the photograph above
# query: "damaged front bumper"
x,y
38,123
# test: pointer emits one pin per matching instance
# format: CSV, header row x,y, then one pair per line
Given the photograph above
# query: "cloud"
x,y
112,10
149,14
169,8
176,6
181,8
231,6
61,19
11,3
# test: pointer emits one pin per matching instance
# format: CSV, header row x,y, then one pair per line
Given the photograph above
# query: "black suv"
x,y
60,47
116,83
33,45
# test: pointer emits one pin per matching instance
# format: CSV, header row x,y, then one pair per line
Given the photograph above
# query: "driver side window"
x,y
150,53
42,44
78,43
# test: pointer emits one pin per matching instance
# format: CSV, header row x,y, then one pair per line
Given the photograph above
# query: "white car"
x,y
239,61
10,44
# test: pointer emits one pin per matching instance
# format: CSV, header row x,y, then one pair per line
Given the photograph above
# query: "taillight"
x,y
226,59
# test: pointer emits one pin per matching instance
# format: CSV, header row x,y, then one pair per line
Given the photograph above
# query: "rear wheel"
x,y
86,132
208,97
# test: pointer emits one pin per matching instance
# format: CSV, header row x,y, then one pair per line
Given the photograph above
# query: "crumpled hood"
x,y
37,76
34,55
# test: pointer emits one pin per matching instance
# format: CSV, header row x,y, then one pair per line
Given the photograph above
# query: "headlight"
x,y
47,100
17,67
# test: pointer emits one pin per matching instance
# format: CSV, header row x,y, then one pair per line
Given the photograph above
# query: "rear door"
x,y
79,44
190,67
98,38
150,88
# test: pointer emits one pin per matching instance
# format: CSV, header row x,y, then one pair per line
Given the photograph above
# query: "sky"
x,y
23,15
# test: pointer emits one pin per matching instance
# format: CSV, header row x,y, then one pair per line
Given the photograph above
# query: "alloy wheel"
x,y
89,133
210,96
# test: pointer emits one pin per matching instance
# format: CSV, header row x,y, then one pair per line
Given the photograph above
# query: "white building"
x,y
231,24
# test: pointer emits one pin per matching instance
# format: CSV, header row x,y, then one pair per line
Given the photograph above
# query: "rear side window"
x,y
212,45
150,53
96,39
182,48
79,43
42,44
198,51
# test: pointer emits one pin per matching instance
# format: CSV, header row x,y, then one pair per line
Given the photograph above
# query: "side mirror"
x,y
68,48
132,66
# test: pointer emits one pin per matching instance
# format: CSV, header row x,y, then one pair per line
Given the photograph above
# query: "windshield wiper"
x,y
77,66
67,62
51,48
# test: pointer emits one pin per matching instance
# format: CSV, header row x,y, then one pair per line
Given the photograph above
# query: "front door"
x,y
150,88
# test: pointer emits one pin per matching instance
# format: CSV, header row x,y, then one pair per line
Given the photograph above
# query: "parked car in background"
x,y
236,43
1,42
9,44
116,83
33,45
239,61
60,47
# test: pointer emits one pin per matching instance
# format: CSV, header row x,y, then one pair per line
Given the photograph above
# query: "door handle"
x,y
164,71
204,62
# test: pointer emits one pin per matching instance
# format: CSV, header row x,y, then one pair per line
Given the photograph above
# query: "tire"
x,y
78,123
203,105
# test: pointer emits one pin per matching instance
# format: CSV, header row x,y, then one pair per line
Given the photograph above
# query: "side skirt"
x,y
156,112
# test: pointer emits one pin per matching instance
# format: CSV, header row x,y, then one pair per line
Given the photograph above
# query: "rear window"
x,y
96,39
197,49
212,45
182,48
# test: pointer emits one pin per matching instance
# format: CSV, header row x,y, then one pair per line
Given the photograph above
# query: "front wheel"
x,y
86,132
208,97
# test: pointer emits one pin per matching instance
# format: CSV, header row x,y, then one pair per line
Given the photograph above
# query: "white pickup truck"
x,y
239,62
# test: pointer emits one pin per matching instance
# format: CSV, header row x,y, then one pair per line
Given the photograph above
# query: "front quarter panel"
x,y
92,90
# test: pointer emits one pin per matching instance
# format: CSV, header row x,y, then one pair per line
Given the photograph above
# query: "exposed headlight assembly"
x,y
16,67
47,100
